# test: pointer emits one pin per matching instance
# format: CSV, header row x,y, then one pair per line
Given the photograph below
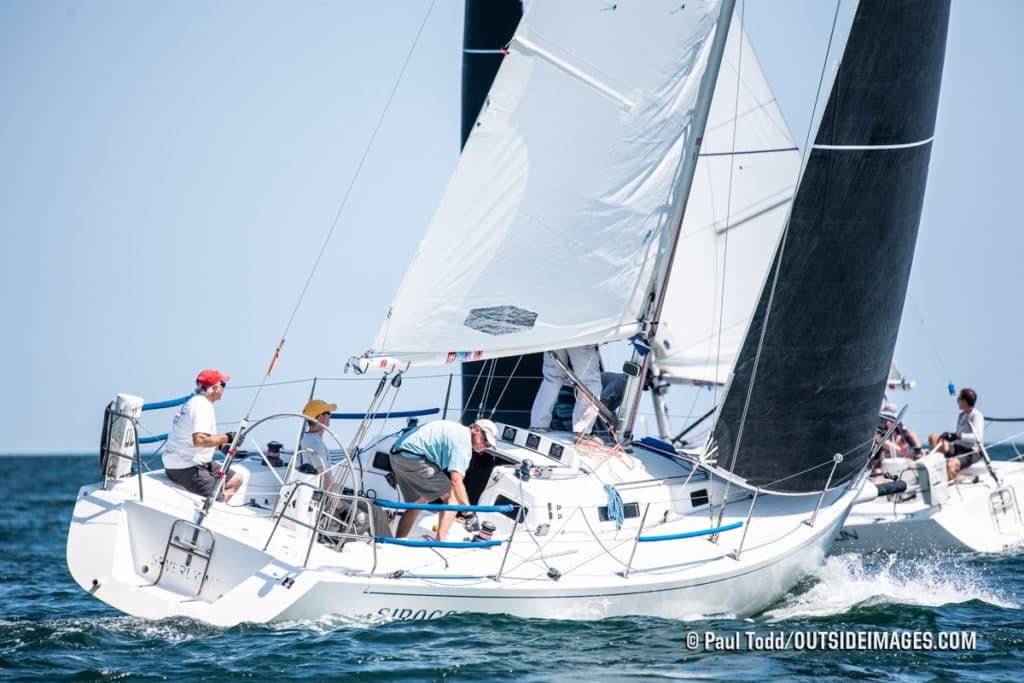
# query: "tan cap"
x,y
317,407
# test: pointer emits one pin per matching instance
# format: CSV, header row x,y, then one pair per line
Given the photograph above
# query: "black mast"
x,y
840,274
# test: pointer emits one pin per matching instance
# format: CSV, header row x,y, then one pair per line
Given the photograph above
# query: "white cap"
x,y
490,431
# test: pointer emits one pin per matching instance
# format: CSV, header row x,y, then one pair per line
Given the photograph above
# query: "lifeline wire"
x,y
348,191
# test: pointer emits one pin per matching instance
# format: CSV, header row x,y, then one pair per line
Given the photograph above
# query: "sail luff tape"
x,y
277,356
530,46
844,148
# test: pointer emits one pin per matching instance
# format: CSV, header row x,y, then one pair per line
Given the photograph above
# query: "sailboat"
x,y
917,510
559,228
912,507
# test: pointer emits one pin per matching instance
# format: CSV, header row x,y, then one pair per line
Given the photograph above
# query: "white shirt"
x,y
971,426
195,415
319,458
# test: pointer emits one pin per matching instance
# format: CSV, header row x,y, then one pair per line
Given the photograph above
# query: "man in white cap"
x,y
188,455
312,449
420,458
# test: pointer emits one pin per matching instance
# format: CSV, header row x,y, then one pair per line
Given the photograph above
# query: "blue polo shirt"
x,y
445,443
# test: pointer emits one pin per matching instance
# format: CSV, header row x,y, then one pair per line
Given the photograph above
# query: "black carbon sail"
x,y
812,370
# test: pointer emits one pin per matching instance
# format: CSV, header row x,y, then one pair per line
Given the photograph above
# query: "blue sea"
x,y
872,617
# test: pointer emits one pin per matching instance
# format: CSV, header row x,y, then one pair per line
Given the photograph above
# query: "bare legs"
x,y
234,483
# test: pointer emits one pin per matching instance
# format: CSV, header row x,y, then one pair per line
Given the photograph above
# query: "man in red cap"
x,y
188,455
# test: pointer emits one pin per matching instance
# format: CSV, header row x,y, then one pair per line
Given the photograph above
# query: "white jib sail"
x,y
550,228
738,205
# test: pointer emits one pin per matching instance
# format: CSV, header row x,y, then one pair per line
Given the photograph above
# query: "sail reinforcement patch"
x,y
500,319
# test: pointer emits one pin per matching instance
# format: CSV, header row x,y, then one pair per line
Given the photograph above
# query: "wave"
x,y
850,581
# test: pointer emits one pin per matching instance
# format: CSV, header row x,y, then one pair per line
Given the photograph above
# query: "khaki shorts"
x,y
419,478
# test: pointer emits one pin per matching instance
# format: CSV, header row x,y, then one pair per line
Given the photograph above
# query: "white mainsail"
x,y
559,212
740,200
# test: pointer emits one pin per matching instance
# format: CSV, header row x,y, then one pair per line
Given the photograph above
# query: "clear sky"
x,y
170,171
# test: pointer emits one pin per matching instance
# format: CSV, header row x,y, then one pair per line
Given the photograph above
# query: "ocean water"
x,y
52,630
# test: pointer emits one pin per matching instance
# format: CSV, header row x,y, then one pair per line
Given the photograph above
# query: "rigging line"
x,y
689,413
931,343
1011,439
821,79
728,200
380,433
748,152
487,388
348,190
406,377
687,430
618,544
469,397
824,463
508,381
778,262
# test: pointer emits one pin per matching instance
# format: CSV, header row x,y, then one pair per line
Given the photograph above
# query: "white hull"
x,y
973,518
116,546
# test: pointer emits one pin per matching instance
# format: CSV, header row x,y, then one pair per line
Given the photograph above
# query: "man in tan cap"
x,y
312,455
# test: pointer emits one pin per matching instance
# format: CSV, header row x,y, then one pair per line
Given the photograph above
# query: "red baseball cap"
x,y
207,378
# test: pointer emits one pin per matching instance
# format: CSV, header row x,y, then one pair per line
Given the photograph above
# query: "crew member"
x,y
312,456
420,459
963,446
188,455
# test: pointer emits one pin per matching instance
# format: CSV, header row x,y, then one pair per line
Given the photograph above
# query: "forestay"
x,y
741,196
559,212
